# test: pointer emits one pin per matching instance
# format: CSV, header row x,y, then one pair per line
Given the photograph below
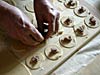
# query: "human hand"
x,y
47,17
18,26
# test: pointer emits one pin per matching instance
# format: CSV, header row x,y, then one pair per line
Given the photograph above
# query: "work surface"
x,y
74,65
87,60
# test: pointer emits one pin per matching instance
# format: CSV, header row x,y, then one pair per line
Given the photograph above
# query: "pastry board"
x,y
92,68
9,65
48,66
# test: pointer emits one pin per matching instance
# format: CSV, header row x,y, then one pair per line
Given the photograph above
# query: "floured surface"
x,y
9,65
49,65
76,65
92,69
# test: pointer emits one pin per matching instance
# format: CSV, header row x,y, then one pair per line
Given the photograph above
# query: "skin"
x,y
46,13
18,26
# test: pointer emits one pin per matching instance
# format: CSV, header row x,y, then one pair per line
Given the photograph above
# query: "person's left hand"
x,y
47,17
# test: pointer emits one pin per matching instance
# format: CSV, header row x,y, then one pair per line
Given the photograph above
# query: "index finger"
x,y
50,28
57,22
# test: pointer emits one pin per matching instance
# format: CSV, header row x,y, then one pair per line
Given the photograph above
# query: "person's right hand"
x,y
47,17
17,25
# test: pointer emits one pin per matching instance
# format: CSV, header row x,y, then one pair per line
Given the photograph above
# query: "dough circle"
x,y
71,7
72,43
87,20
63,19
39,62
29,7
84,14
55,56
81,27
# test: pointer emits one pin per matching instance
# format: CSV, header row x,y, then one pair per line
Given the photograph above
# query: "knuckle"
x,y
57,14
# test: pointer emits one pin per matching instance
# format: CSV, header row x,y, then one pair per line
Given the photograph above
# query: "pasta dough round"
x,y
35,61
91,21
29,7
53,52
81,11
80,30
67,40
71,4
67,21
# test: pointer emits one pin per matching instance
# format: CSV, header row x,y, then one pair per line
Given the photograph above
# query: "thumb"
x,y
35,34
